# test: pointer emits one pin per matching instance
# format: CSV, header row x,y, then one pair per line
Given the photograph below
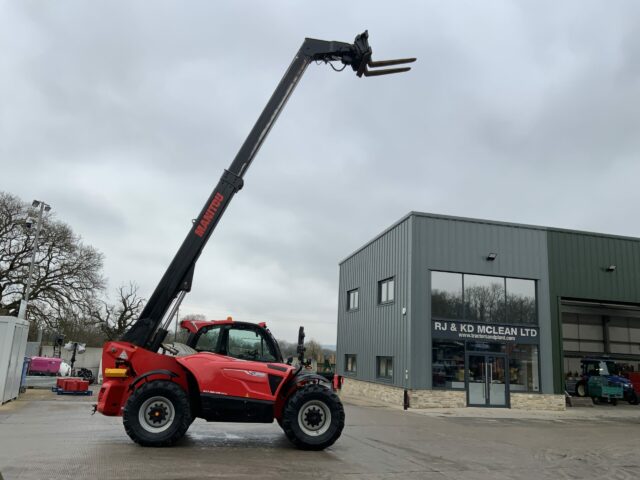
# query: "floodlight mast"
x,y
149,331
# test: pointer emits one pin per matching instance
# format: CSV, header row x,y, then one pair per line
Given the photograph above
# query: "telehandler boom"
x,y
240,376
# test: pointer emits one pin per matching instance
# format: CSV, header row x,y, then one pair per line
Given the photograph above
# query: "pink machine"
x,y
44,366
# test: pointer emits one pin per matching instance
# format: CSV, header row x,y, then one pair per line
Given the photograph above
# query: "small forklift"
x,y
228,371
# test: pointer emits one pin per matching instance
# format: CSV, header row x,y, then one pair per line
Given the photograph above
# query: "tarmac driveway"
x,y
46,436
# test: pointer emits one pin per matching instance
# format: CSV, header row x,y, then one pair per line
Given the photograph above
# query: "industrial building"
x,y
467,312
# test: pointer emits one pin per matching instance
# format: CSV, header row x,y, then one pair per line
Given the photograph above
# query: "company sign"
x,y
453,330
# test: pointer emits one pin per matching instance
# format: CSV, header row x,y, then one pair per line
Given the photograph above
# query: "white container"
x,y
13,343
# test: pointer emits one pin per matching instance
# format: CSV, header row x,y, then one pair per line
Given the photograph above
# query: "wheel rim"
x,y
581,390
314,418
156,414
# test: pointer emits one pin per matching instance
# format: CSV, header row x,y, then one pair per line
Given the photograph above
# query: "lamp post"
x,y
44,207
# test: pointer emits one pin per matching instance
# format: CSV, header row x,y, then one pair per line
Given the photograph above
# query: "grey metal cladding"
x,y
376,330
462,245
578,263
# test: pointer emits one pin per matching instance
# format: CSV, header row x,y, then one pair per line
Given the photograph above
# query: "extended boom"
x,y
150,329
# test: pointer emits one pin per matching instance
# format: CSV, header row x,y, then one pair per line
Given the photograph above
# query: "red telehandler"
x,y
228,371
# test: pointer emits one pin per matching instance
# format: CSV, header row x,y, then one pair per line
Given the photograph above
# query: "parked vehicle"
x,y
607,368
602,389
233,372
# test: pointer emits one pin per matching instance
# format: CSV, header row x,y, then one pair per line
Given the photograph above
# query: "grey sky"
x,y
123,114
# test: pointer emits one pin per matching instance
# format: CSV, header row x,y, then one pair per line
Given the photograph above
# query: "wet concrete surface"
x,y
44,436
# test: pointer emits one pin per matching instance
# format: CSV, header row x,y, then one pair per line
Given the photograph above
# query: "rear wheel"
x,y
581,390
313,418
633,398
157,414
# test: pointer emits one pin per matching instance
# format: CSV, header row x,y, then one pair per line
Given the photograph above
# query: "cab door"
x,y
207,339
248,342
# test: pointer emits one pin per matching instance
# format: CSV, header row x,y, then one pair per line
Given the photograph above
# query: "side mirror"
x,y
300,350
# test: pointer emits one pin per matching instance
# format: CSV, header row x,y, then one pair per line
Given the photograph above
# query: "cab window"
x,y
208,340
249,345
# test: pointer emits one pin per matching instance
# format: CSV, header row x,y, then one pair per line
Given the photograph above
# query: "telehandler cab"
x,y
231,371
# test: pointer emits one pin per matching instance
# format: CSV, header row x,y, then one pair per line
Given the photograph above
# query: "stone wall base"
x,y
373,391
537,401
438,399
443,398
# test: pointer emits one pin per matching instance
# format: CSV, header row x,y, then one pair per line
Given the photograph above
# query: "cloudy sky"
x,y
123,114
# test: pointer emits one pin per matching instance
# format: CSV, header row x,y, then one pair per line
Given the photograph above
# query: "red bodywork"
x,y
199,374
634,377
194,326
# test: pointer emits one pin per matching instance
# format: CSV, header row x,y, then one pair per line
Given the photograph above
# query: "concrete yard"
x,y
44,436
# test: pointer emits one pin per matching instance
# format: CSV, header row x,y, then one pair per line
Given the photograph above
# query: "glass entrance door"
x,y
487,380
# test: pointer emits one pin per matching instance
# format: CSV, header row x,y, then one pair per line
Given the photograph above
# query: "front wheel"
x,y
313,418
581,389
157,414
633,398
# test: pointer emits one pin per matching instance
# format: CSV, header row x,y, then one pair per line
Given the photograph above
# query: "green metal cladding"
x,y
578,264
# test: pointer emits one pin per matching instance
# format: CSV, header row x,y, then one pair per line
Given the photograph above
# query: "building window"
x,y
384,367
386,290
483,298
352,299
350,363
448,364
521,301
484,313
446,295
523,368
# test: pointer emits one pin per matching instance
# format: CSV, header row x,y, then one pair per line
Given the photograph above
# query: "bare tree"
x,y
115,318
66,272
314,350
193,316
75,324
288,349
181,334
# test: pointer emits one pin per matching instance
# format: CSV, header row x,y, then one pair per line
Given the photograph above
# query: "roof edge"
x,y
487,222
377,237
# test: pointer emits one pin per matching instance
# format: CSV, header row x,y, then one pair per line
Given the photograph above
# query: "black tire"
x,y
313,418
633,398
162,399
581,389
